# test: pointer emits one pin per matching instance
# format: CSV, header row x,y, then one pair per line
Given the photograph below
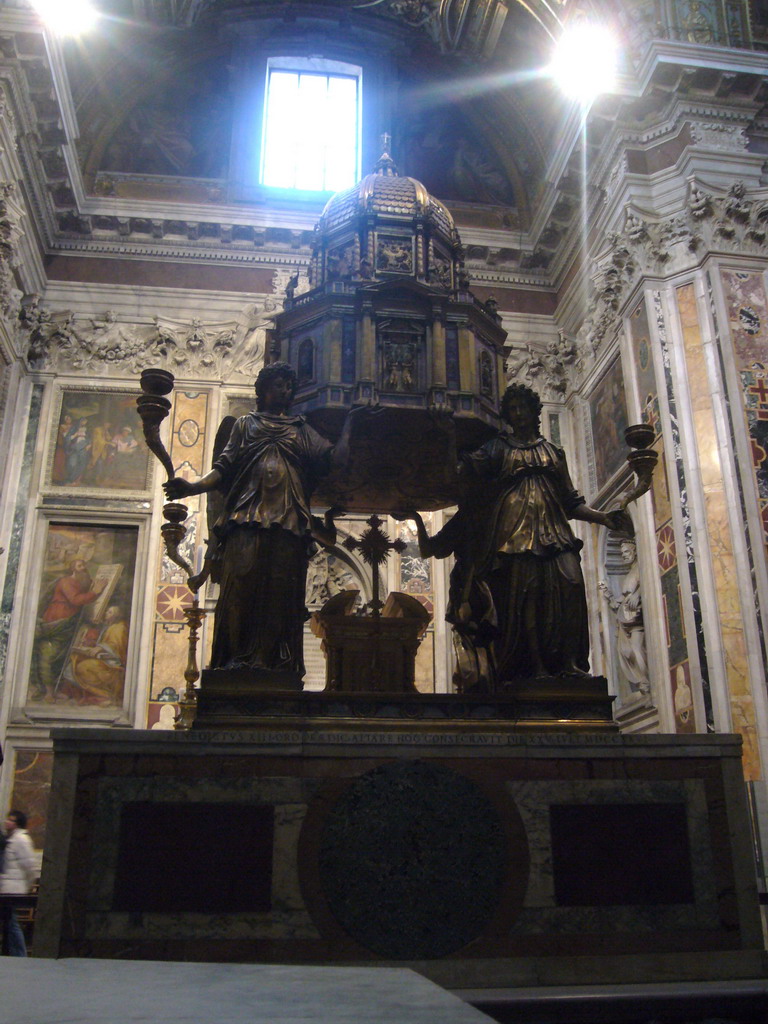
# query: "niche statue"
x,y
630,631
518,601
263,536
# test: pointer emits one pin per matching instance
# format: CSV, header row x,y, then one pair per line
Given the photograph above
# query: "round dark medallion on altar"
x,y
410,861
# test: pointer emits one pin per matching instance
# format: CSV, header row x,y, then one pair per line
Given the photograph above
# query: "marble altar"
x,y
477,854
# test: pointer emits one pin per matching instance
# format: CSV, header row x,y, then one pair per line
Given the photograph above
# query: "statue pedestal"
x,y
220,681
582,708
371,654
480,855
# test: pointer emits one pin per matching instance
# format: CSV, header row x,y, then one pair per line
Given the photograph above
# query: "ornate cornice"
x,y
106,346
11,217
709,224
549,372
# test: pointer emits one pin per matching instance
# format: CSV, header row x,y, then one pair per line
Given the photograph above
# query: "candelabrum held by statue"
x,y
641,459
153,407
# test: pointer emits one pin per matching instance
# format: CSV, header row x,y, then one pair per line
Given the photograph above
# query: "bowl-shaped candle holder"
x,y
153,407
175,512
639,435
174,532
155,381
642,462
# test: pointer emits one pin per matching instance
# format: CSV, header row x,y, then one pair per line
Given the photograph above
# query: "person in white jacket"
x,y
19,874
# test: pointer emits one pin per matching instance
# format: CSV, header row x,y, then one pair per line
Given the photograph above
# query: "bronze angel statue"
x,y
266,465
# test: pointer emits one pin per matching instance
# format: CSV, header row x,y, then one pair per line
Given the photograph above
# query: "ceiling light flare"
x,y
67,17
585,61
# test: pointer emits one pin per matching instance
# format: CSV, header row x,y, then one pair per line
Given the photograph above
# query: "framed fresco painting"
x,y
608,419
30,788
82,635
96,445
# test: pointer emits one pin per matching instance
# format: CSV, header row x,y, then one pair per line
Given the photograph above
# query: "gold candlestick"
x,y
194,615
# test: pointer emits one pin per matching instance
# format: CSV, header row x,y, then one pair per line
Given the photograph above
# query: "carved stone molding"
x,y
731,223
101,346
11,215
549,372
724,137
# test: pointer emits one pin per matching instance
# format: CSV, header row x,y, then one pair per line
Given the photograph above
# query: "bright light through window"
x,y
67,17
311,130
585,61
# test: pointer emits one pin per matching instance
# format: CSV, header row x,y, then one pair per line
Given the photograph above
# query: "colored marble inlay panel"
x,y
755,389
31,789
170,660
640,334
724,568
189,426
665,543
238,875
171,602
745,298
633,871
670,589
662,507
677,466
746,303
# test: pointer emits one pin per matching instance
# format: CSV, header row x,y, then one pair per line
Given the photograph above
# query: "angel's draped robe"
x,y
269,468
529,556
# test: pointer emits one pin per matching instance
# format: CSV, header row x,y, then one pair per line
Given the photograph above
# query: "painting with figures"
x,y
80,642
97,444
32,772
608,415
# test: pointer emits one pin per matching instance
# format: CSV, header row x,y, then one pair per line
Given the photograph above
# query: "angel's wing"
x,y
216,498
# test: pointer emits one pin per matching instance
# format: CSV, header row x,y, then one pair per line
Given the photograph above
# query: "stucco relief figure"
x,y
630,632
264,536
525,551
326,578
